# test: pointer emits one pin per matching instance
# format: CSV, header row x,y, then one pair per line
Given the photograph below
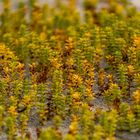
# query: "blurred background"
x,y
79,2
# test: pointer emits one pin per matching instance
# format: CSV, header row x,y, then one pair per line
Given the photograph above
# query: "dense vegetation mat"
x,y
70,75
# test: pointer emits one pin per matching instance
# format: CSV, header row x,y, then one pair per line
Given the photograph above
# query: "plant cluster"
x,y
69,77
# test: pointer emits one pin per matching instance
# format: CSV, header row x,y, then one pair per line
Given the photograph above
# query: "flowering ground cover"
x,y
67,77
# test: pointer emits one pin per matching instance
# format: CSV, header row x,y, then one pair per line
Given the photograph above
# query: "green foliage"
x,y
69,75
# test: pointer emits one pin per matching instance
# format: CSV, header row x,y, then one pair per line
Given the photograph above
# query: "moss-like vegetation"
x,y
63,76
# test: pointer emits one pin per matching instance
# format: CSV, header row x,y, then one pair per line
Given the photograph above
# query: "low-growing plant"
x,y
66,74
